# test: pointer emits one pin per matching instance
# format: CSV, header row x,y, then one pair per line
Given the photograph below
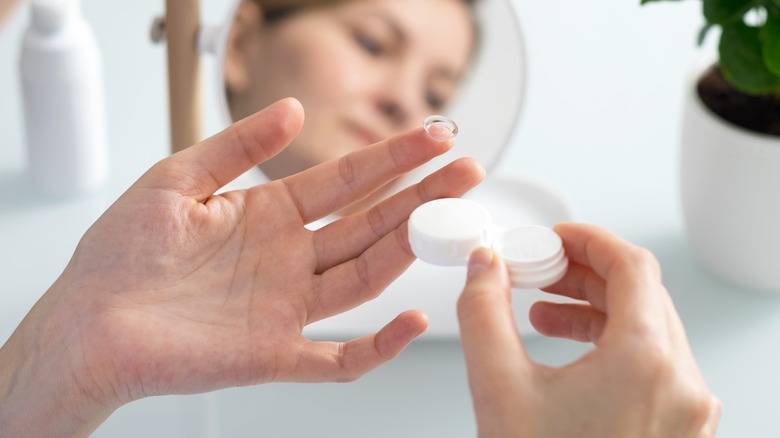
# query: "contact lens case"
x,y
445,231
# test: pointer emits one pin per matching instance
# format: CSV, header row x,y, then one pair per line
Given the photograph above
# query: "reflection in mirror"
x,y
364,70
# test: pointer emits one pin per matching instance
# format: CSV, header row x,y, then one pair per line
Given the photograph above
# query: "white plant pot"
x,y
730,186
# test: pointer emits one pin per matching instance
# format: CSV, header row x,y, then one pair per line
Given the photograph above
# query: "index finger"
x,y
634,293
204,168
335,184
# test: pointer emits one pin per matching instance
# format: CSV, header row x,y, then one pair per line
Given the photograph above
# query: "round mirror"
x,y
365,70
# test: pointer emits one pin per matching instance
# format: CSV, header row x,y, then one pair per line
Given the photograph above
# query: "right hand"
x,y
641,380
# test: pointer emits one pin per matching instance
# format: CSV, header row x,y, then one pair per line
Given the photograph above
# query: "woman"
x,y
363,70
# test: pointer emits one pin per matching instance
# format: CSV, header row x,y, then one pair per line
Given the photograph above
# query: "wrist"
x,y
45,383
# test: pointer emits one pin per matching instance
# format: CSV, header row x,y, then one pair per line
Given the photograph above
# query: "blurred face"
x,y
363,70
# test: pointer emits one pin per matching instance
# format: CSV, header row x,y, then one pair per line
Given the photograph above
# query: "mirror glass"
x,y
365,70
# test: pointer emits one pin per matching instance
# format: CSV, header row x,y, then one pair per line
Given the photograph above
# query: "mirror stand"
x,y
185,91
6,8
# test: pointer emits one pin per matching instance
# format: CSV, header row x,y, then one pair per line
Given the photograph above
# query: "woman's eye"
x,y
369,44
435,101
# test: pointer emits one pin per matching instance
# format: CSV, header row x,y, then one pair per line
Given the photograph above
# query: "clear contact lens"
x,y
440,127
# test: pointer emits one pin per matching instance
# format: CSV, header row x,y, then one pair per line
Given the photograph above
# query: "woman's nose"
x,y
400,99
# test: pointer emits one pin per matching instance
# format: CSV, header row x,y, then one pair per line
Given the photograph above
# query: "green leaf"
x,y
772,7
742,62
770,43
656,1
703,33
726,11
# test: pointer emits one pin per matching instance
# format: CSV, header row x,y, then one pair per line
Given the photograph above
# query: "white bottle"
x,y
64,103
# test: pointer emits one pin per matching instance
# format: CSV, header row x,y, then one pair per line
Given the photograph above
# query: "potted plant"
x,y
730,145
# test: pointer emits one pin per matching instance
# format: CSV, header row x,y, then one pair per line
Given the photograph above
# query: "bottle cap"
x,y
53,14
446,231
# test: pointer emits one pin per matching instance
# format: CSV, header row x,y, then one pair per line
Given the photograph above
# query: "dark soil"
x,y
756,113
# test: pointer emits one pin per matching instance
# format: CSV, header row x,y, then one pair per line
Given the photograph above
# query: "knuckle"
x,y
347,378
700,410
402,237
643,258
651,358
363,272
376,221
697,413
347,170
422,191
346,373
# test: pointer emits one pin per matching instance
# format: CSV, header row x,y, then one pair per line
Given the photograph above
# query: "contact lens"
x,y
440,127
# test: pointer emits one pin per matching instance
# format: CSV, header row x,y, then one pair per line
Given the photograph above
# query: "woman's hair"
x,y
275,10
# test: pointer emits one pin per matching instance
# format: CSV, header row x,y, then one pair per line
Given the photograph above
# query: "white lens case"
x,y
445,231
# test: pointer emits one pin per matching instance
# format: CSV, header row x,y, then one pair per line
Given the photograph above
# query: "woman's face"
x,y
364,70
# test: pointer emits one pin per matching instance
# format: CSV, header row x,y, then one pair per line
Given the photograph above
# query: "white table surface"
x,y
600,123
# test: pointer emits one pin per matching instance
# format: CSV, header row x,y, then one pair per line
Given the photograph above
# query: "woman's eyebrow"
x,y
397,30
391,23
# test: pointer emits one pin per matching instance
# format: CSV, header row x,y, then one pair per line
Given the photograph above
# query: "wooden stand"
x,y
6,7
185,91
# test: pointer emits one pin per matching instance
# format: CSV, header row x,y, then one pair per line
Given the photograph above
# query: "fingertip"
x,y
425,322
292,103
470,167
416,322
539,317
566,227
484,260
400,332
292,115
480,260
439,145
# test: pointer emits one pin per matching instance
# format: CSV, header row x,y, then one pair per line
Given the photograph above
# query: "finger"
x,y
581,283
331,186
204,168
634,294
362,278
347,361
713,419
352,235
491,344
578,322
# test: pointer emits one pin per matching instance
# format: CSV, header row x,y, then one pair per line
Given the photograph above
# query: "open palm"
x,y
178,290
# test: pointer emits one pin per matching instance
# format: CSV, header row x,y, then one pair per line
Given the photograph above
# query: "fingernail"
x,y
480,261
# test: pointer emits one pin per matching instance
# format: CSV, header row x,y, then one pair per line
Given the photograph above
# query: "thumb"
x,y
491,343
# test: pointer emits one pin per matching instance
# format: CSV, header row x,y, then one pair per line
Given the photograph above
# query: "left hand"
x,y
177,290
